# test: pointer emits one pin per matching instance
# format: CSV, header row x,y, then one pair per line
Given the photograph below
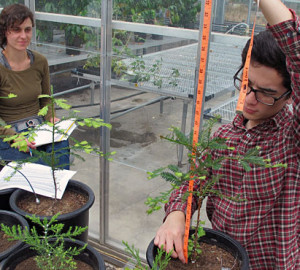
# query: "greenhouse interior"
x,y
135,65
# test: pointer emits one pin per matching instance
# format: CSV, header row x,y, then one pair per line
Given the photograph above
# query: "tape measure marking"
x,y
245,78
244,85
198,110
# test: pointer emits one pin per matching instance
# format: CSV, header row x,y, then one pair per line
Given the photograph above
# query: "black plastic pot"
x,y
157,37
89,256
10,218
90,70
213,237
79,217
4,198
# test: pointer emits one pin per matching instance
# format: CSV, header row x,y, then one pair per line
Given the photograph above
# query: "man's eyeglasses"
x,y
260,95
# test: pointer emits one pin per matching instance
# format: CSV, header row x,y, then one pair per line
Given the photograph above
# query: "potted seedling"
x,y
127,66
8,247
139,72
201,160
120,40
76,194
54,249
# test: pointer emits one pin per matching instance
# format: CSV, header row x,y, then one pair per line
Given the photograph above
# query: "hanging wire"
x,y
35,195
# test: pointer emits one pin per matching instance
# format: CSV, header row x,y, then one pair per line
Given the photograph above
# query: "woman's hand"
x,y
54,120
23,144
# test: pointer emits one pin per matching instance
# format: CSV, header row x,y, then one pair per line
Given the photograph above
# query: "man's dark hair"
x,y
13,15
267,52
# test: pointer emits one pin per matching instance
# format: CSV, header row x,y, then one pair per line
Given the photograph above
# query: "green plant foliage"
x,y
50,248
181,13
160,262
201,160
194,247
19,140
137,71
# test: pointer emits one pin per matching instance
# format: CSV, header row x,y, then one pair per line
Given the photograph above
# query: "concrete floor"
x,y
136,139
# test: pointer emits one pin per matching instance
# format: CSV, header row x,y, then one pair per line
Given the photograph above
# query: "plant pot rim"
x,y
62,217
6,191
22,221
91,251
243,256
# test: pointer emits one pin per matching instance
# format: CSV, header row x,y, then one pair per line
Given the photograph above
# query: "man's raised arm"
x,y
274,11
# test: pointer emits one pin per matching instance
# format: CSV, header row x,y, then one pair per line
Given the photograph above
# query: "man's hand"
x,y
171,234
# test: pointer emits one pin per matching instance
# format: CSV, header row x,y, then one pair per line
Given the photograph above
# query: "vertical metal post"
x,y
219,12
183,127
249,12
31,5
105,75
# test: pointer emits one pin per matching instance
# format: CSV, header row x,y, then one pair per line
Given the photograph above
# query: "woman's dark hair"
x,y
267,52
13,15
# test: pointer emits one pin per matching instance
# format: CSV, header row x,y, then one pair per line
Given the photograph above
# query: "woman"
x,y
24,73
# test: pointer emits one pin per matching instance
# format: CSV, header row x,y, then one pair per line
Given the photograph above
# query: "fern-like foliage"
x,y
50,247
201,161
161,259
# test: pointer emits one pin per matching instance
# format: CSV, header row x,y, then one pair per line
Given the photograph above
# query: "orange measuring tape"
x,y
200,96
198,110
244,85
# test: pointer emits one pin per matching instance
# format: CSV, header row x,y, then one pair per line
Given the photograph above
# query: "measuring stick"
x,y
245,78
198,110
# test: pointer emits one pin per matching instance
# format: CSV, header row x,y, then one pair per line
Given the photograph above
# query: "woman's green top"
x,y
27,85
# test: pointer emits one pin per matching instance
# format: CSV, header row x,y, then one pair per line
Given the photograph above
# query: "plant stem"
x,y
200,201
53,144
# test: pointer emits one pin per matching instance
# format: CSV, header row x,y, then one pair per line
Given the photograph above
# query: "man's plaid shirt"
x,y
268,223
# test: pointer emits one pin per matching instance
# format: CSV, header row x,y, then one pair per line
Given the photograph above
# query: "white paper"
x,y
44,132
40,177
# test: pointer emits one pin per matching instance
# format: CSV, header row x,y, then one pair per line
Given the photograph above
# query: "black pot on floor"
x,y
140,37
89,256
10,218
4,198
157,37
215,238
79,217
73,43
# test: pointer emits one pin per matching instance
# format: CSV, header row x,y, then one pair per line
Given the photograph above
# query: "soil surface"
x,y
211,258
4,243
31,264
70,202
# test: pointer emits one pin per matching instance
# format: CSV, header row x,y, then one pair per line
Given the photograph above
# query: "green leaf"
x,y
43,111
62,104
44,96
245,165
11,95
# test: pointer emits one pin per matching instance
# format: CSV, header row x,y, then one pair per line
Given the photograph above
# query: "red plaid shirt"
x,y
268,223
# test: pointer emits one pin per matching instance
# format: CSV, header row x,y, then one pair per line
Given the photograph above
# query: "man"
x,y
267,224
